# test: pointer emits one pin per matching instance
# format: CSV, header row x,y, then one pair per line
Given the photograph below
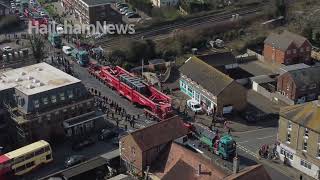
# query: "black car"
x,y
73,160
107,134
79,145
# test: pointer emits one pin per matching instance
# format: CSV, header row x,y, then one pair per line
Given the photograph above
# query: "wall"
x,y
252,53
278,55
136,159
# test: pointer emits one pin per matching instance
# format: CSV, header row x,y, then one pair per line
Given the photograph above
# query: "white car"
x,y
7,49
67,50
194,105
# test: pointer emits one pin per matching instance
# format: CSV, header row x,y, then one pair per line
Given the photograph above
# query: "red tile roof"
x,y
180,163
252,172
160,133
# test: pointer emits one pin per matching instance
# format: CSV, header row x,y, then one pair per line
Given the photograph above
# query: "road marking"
x,y
261,129
247,151
266,137
242,142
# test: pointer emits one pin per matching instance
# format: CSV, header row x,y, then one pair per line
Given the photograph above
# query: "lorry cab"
x,y
227,147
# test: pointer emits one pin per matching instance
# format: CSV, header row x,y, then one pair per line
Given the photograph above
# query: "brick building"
x,y
210,87
92,11
45,97
140,148
300,85
299,137
287,48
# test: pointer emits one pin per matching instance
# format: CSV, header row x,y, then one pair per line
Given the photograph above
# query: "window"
x,y
288,137
18,159
47,148
133,151
48,117
301,50
294,51
286,153
53,98
289,125
29,156
70,94
45,100
288,51
305,145
36,103
303,88
48,157
305,164
20,168
190,89
40,151
288,87
306,132
30,164
308,49
62,96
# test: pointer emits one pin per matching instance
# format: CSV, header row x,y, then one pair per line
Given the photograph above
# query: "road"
x,y
164,31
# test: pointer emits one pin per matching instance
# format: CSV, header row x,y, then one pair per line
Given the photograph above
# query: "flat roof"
x,y
36,78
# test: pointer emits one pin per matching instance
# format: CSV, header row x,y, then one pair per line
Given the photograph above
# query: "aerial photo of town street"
x,y
159,89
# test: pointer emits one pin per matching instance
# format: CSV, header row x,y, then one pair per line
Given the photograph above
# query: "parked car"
x,y
107,134
73,160
124,10
79,145
67,50
194,105
122,5
7,49
129,13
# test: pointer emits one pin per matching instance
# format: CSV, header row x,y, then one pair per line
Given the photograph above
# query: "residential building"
x,y
210,87
140,148
164,3
221,60
300,85
45,97
151,151
299,137
92,11
287,48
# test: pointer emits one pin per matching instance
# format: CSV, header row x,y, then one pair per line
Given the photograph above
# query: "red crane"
x,y
135,89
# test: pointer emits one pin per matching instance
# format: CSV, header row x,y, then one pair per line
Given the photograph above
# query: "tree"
x,y
281,8
37,46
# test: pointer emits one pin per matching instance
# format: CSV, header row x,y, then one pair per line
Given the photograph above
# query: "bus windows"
x,y
48,157
20,168
38,152
47,148
18,159
30,164
28,156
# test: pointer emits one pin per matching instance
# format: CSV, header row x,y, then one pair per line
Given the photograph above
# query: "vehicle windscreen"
x,y
197,106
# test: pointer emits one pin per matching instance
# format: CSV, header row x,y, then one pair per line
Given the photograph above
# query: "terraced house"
x,y
299,137
211,88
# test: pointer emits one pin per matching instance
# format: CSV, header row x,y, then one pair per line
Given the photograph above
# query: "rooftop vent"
x,y
18,80
39,69
39,84
30,86
35,81
29,78
22,73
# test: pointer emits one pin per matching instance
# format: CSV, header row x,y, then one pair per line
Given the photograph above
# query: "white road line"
x,y
242,142
244,132
266,137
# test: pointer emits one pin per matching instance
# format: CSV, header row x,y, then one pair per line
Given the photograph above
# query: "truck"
x,y
80,56
55,40
202,137
156,103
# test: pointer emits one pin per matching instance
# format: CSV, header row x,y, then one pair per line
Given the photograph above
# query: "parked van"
x,y
67,50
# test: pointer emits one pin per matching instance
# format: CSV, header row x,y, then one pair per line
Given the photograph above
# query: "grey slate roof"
x,y
306,76
284,40
207,76
218,59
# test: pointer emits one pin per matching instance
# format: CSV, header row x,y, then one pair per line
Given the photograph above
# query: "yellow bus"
x,y
25,159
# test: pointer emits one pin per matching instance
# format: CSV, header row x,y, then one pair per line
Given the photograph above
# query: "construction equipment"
x,y
55,40
135,89
80,56
223,146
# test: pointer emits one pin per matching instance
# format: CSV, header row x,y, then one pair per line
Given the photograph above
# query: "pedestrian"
x,y
125,127
133,122
117,121
229,131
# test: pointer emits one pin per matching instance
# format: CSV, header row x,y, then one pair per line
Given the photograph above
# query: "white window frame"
x,y
288,51
288,140
289,125
294,51
305,164
305,146
302,50
306,133
45,100
62,96
53,98
70,94
308,49
36,103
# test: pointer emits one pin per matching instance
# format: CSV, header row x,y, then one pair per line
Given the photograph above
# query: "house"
x,y
45,97
140,148
299,137
300,85
287,48
164,3
92,11
210,87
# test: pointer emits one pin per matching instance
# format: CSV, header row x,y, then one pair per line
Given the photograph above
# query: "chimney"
x,y
236,162
199,170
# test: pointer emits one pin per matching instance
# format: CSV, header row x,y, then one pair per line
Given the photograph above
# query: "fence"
x,y
252,53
